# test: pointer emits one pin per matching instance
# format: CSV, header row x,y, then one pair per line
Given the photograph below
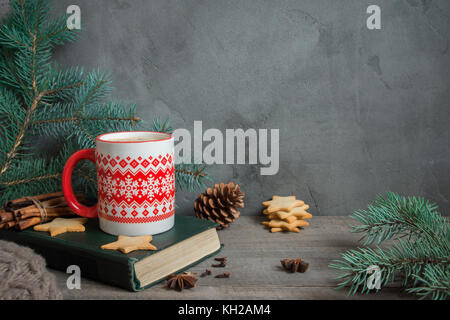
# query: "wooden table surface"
x,y
254,256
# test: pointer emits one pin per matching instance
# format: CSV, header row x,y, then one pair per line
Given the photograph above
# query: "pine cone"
x,y
182,281
219,204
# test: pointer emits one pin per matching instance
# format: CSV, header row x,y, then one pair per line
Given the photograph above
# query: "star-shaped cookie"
x,y
282,204
129,244
60,225
279,225
298,212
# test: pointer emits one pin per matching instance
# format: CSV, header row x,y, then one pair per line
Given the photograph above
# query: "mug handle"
x,y
78,208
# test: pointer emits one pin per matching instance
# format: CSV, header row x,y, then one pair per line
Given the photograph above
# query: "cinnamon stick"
x,y
39,197
23,213
60,201
54,203
10,224
6,216
56,199
51,213
23,202
36,210
49,205
25,224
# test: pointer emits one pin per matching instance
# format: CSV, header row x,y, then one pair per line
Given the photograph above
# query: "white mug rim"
x,y
167,137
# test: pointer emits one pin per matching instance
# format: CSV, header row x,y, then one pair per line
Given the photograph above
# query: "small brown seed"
x,y
221,259
206,273
219,265
222,276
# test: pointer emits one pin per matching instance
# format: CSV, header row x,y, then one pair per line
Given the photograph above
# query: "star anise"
x,y
186,280
295,265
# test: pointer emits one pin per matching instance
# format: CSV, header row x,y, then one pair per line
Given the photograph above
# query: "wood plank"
x,y
254,256
94,290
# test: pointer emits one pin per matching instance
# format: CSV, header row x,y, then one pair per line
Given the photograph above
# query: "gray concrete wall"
x,y
360,112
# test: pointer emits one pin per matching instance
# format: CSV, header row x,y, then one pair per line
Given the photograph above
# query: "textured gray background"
x,y
360,112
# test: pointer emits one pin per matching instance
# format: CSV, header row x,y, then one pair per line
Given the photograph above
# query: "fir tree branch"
x,y
13,152
162,126
420,255
38,96
33,48
88,97
67,87
395,217
86,177
434,284
77,123
14,73
403,260
190,177
35,179
20,43
73,119
31,176
53,34
28,121
196,173
21,2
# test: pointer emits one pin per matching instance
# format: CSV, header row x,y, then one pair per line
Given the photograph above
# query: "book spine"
x,y
115,272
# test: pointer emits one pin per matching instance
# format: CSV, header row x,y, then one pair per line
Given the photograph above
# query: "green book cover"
x,y
112,267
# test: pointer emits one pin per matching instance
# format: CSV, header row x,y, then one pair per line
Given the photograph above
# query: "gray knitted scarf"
x,y
23,275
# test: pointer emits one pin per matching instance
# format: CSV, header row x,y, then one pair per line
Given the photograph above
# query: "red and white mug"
x,y
136,182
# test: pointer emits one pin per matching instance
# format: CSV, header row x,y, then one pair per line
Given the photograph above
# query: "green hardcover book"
x,y
190,241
